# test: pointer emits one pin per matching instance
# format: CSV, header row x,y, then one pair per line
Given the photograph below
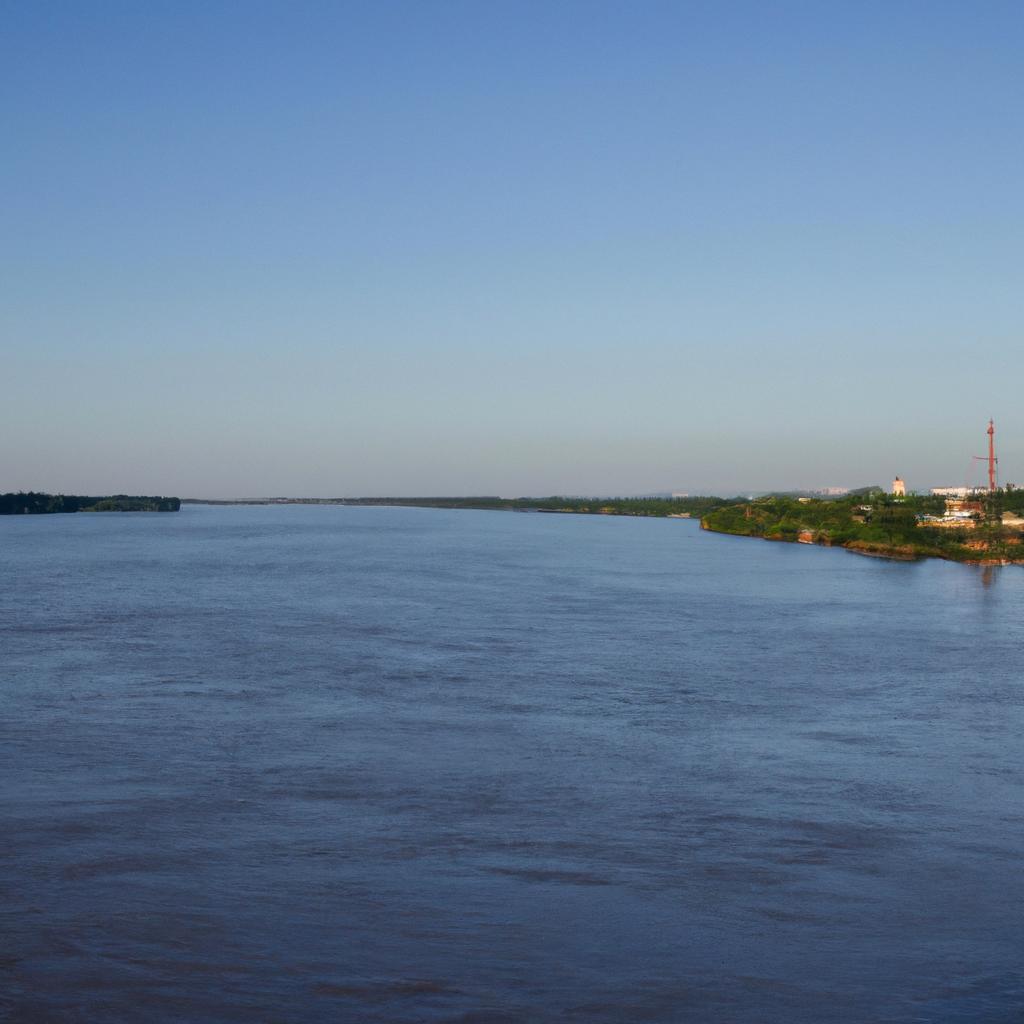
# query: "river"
x,y
305,763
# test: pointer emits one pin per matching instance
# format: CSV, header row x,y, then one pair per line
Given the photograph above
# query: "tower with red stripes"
x,y
991,455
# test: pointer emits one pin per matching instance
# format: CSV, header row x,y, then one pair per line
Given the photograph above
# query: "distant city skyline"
x,y
514,249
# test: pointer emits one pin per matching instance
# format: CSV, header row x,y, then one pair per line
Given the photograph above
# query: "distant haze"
x,y
509,248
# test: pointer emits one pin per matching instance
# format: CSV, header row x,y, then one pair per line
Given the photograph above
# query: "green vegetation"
x,y
586,506
37,503
652,506
880,524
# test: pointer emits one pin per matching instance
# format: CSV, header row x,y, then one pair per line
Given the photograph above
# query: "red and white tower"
x,y
991,455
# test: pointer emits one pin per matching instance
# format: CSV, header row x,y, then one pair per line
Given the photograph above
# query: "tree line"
x,y
32,503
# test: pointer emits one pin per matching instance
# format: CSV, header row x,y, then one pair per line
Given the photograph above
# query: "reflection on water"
x,y
322,764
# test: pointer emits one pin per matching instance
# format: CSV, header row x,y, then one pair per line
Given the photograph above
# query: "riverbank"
x,y
36,503
882,528
666,508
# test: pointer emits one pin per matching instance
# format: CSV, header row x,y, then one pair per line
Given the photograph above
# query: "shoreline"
x,y
650,508
894,553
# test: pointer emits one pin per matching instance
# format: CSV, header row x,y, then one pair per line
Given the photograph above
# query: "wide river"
x,y
302,764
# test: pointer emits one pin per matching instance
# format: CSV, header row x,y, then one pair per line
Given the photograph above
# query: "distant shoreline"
x,y
37,503
888,529
894,553
902,528
653,507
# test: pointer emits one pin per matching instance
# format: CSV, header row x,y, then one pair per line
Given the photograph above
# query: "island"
x,y
35,503
984,529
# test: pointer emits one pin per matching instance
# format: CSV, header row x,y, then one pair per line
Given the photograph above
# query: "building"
x,y
960,513
961,508
948,522
957,492
899,488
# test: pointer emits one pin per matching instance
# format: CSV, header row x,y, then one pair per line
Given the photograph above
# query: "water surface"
x,y
299,764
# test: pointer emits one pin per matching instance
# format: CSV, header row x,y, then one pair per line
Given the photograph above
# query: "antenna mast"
x,y
991,455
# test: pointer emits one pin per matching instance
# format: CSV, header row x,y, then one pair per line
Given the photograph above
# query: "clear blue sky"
x,y
516,248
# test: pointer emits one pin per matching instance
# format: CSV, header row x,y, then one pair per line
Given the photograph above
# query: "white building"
x,y
957,492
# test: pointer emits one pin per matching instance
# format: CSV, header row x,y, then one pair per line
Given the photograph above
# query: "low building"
x,y
961,513
947,522
961,508
957,492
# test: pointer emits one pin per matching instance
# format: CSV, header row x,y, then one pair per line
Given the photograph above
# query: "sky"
x,y
437,247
